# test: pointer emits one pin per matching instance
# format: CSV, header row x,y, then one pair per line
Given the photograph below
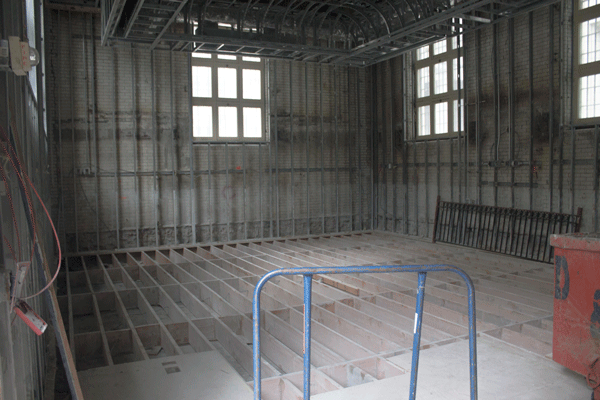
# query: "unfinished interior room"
x,y
294,199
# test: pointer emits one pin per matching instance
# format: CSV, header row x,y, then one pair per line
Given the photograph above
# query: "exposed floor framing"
x,y
131,306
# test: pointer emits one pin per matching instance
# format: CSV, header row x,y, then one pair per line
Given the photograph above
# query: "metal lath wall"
x,y
129,175
519,150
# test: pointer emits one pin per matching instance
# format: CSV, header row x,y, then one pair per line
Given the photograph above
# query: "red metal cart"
x,y
576,338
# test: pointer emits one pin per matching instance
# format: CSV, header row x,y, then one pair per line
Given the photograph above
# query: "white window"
x,y
441,118
589,96
423,82
587,64
228,97
589,50
203,126
439,78
457,41
423,53
424,121
439,47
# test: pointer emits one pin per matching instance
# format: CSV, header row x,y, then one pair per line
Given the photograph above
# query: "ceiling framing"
x,y
346,32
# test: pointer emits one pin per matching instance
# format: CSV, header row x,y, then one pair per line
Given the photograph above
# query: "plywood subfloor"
x,y
505,373
131,306
200,376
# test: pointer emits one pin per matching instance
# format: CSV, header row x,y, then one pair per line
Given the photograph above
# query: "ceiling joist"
x,y
346,32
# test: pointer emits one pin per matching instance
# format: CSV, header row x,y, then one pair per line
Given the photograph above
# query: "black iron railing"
x,y
521,233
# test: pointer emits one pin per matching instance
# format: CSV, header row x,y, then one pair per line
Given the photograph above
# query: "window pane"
x,y
203,124
455,74
424,121
201,82
457,116
589,96
439,47
588,3
423,82
226,57
251,59
227,83
440,72
457,41
590,41
251,84
423,53
201,55
441,118
228,122
252,122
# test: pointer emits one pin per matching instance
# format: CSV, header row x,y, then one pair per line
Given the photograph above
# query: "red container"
x,y
576,338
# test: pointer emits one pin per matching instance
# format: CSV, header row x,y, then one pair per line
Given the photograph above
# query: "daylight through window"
x,y
228,97
438,68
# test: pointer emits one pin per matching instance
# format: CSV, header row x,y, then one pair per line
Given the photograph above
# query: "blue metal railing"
x,y
308,273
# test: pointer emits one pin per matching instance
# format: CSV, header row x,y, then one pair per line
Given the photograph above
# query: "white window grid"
x,y
439,47
424,120
589,96
440,71
437,106
587,62
423,53
589,41
423,82
441,117
222,111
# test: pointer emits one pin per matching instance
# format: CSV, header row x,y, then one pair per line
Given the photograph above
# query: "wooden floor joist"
x,y
149,303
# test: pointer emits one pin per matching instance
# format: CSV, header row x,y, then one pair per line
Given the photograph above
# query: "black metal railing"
x,y
521,233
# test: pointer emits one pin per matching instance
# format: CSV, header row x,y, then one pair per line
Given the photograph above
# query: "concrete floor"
x,y
134,306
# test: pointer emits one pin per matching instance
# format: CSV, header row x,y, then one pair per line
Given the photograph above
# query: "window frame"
x,y
449,96
582,70
239,64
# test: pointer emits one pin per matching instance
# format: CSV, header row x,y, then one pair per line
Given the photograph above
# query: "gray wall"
x,y
122,114
23,356
126,174
519,123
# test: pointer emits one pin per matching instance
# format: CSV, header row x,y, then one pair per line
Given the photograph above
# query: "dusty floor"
x,y
142,305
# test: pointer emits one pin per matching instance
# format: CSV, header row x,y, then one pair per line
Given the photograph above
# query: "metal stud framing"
x,y
359,34
504,161
411,157
199,211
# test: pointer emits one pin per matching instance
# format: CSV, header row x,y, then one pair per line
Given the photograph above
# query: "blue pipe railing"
x,y
308,273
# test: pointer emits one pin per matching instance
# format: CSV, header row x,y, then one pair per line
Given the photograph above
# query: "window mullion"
x,y
451,93
240,96
215,109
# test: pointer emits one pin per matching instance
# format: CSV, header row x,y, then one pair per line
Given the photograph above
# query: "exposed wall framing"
x,y
130,174
24,356
519,149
